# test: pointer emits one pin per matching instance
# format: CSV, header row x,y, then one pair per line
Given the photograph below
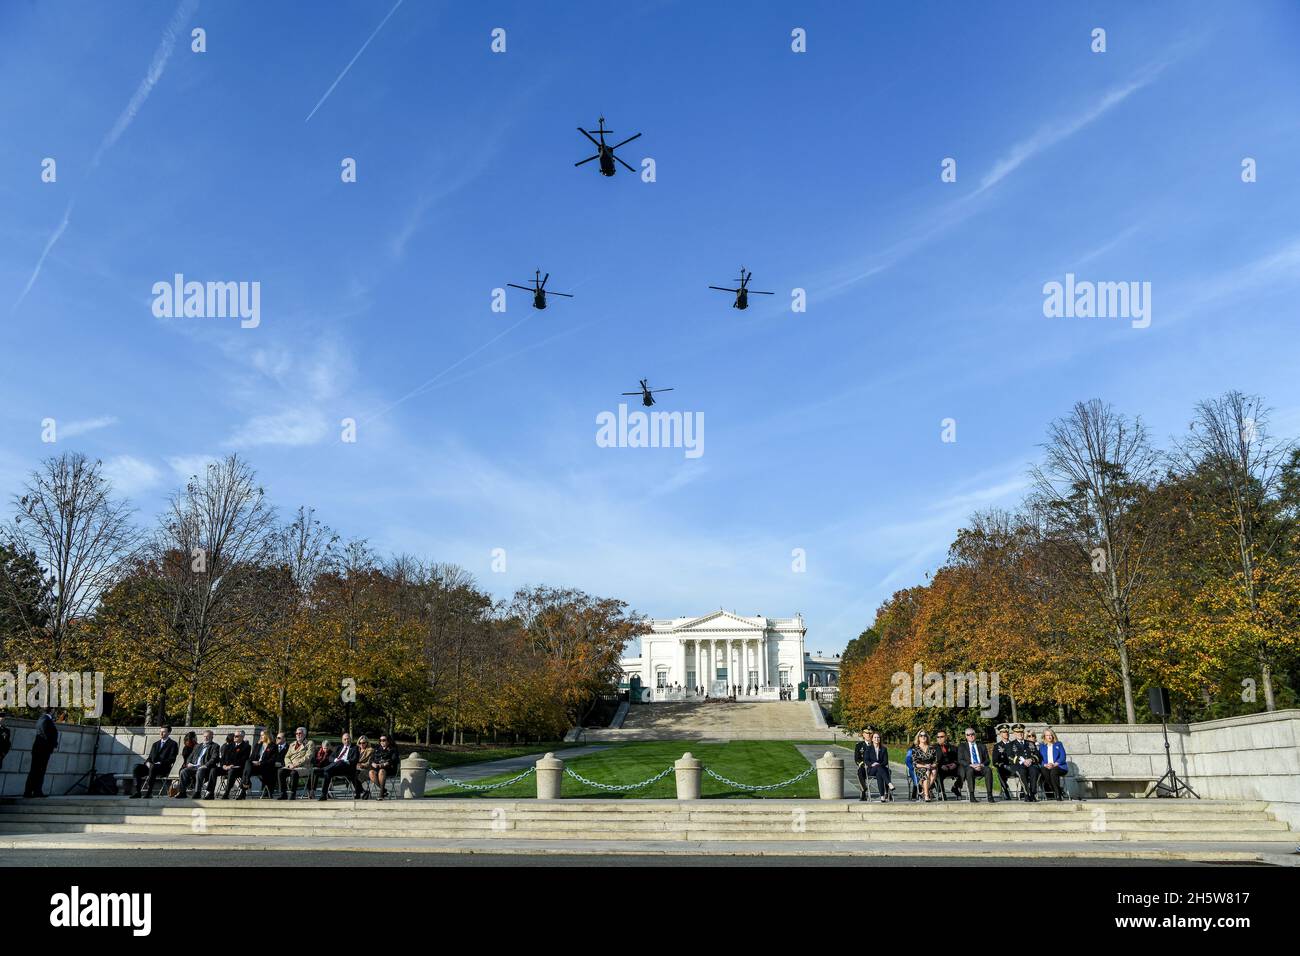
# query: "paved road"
x,y
481,771
207,858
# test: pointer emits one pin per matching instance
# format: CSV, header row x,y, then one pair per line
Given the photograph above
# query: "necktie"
x,y
974,755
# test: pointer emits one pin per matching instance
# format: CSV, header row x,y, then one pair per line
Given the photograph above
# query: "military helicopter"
x,y
742,294
605,153
647,393
538,289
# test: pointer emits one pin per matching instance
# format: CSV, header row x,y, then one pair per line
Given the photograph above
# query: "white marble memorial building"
x,y
718,651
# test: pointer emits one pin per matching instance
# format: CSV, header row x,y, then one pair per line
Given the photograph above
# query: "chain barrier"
x,y
770,786
486,787
622,788
613,788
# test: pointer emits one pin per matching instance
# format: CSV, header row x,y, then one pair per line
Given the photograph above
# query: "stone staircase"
x,y
391,824
717,720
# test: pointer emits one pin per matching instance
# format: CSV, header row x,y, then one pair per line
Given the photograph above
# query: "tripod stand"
x,y
89,775
1169,785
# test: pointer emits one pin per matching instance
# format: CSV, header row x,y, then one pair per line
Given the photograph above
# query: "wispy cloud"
x,y
156,67
293,427
945,218
186,466
1048,136
49,244
351,61
130,475
73,429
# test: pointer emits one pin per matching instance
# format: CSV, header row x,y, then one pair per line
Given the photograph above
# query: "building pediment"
x,y
722,621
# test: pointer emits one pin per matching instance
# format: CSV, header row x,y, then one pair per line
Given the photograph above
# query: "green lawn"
x,y
440,758
744,761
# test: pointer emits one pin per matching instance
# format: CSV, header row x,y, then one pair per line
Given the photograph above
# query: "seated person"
x,y
365,758
199,766
342,763
234,761
384,765
1025,759
296,757
925,763
877,766
947,763
1001,758
263,764
1052,764
158,764
973,761
319,761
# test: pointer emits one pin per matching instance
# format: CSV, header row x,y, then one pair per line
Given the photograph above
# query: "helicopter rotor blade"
x,y
756,292
589,136
625,142
629,168
543,285
567,295
748,276
526,288
587,160
632,393
721,289
655,390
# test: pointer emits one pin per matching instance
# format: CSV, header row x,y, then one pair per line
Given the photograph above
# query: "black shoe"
x,y
973,799
863,798
320,798
283,796
136,795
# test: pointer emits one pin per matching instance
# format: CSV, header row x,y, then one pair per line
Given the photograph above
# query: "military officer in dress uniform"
x,y
1002,758
1024,757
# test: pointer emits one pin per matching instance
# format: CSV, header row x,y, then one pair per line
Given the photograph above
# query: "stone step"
x,y
488,820
1137,809
878,835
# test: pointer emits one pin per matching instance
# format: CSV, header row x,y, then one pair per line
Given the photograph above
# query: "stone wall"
x,y
120,749
1256,757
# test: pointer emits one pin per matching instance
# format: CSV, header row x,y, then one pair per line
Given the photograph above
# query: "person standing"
x,y
46,742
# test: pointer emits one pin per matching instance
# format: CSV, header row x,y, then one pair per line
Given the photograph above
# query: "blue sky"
x,y
817,170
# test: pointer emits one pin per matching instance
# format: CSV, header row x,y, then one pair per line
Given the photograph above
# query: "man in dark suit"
x,y
948,765
343,763
234,758
158,764
973,760
46,742
200,766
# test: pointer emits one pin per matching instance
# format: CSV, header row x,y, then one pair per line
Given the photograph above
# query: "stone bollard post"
x,y
550,771
688,772
830,777
415,773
